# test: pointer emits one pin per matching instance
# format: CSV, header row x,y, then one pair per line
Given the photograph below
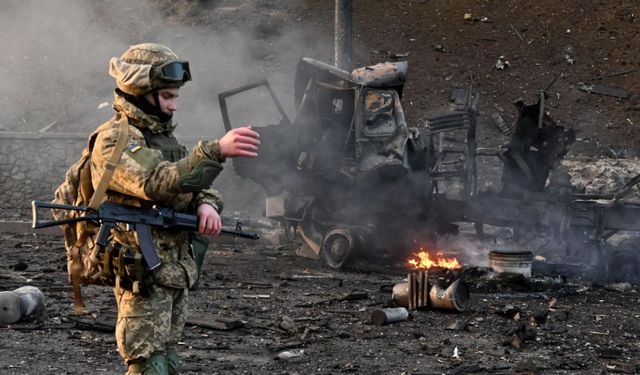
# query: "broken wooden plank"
x,y
100,325
303,277
215,322
354,296
613,75
276,347
593,88
256,296
21,227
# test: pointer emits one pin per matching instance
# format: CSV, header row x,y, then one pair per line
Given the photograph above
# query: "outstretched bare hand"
x,y
240,142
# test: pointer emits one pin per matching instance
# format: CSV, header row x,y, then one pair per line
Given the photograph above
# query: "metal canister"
x,y
388,316
31,302
400,294
9,308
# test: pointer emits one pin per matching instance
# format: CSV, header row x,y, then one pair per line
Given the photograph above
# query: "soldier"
x,y
155,169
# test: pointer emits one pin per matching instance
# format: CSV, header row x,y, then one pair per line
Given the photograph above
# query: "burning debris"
x,y
419,293
424,261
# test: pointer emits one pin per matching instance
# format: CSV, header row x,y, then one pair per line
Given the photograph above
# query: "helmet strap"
x,y
156,103
146,106
156,99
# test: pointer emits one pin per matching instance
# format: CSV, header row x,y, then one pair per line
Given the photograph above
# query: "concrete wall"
x,y
32,165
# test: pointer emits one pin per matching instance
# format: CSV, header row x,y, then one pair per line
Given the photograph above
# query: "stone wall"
x,y
32,165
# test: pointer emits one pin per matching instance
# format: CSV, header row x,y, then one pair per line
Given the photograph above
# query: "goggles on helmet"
x,y
175,71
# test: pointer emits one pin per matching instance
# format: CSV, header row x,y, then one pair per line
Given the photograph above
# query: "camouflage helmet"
x,y
146,67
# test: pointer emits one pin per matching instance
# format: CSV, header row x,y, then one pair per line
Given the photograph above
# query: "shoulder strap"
x,y
111,164
96,200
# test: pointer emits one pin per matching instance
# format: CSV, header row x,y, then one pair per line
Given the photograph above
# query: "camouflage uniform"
x,y
149,172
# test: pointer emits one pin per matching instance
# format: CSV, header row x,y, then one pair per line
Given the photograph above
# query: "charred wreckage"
x,y
348,175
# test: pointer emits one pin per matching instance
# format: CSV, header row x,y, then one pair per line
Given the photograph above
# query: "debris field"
x,y
262,309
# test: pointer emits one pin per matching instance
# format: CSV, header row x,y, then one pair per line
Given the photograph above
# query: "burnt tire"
x,y
337,247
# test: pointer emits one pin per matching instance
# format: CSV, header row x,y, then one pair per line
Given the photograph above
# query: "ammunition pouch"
x,y
200,177
131,272
119,267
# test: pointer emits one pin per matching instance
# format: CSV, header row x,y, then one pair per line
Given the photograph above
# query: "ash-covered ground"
x,y
260,309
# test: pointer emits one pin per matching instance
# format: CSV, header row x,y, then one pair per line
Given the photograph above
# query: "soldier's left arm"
x,y
209,196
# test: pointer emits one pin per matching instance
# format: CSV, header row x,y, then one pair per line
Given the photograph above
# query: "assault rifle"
x,y
141,219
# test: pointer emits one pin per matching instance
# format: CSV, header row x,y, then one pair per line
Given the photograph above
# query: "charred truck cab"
x,y
348,174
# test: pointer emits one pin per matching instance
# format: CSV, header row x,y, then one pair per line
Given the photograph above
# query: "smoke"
x,y
54,65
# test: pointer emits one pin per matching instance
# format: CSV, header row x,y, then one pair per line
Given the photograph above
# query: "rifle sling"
x,y
111,164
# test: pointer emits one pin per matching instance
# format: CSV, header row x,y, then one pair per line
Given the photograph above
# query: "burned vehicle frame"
x,y
348,175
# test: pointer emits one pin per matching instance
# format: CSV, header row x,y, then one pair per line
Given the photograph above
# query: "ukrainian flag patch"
x,y
144,156
134,148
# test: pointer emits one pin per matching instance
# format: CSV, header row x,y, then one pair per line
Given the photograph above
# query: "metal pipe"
x,y
388,316
343,34
454,298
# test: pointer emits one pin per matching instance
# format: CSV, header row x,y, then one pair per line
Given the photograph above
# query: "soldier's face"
x,y
167,99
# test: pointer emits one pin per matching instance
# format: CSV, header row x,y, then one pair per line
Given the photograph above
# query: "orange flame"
x,y
424,261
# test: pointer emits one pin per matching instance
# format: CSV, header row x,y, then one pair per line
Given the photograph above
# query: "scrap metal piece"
x,y
400,294
455,298
504,128
418,290
383,74
594,88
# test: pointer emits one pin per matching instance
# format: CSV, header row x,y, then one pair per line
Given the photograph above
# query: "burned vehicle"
x,y
348,171
348,175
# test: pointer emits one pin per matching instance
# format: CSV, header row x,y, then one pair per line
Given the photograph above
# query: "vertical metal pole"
x,y
343,34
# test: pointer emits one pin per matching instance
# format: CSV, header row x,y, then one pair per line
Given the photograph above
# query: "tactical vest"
x,y
173,151
166,143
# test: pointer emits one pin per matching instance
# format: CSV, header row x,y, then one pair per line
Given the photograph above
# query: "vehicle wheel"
x,y
337,246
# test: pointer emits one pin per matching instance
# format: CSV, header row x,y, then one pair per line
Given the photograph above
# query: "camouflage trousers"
x,y
150,324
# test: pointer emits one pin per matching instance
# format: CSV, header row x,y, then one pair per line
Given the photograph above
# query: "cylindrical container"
x,y
31,302
9,308
388,316
511,261
400,294
456,297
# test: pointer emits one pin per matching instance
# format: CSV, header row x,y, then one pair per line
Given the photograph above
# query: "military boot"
x,y
173,363
154,365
